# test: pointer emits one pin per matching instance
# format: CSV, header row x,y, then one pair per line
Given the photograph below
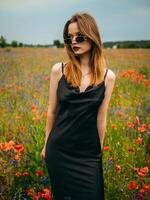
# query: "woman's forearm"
x,y
101,125
49,125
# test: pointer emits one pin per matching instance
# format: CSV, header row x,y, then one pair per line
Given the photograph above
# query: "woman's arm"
x,y
52,103
102,112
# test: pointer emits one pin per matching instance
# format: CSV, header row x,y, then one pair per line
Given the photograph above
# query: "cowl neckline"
x,y
77,89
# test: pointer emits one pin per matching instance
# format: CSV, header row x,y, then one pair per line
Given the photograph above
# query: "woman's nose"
x,y
74,39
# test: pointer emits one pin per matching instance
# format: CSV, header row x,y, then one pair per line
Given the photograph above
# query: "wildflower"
x,y
39,173
135,169
25,174
114,126
43,180
11,143
141,129
35,111
33,118
118,168
30,192
140,174
148,109
132,185
47,194
34,107
146,187
139,140
18,174
147,83
44,114
137,120
106,148
17,157
19,148
36,197
131,149
8,145
120,113
22,129
129,124
141,190
138,196
110,160
144,170
13,162
148,127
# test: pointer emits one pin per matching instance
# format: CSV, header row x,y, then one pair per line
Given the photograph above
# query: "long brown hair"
x,y
88,27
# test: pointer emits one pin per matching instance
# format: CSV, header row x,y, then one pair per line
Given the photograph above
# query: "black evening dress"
x,y
73,154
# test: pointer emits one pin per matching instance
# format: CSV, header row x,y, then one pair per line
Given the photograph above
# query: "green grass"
x,y
24,84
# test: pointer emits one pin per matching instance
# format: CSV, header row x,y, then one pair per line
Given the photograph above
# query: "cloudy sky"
x,y
42,21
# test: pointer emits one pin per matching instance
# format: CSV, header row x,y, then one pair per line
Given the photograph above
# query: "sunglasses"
x,y
79,39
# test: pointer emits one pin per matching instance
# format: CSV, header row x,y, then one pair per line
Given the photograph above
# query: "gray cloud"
x,y
42,21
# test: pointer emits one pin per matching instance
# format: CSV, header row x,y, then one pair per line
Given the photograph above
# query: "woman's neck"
x,y
84,62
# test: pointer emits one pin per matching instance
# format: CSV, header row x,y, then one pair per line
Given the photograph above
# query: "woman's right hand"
x,y
43,152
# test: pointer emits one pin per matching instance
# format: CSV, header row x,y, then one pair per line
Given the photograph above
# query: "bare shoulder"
x,y
111,76
56,68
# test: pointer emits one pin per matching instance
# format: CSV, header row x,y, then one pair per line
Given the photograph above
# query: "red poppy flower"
x,y
30,192
146,187
139,140
141,129
48,194
132,185
39,173
25,173
140,174
106,148
144,170
114,126
18,174
129,124
19,148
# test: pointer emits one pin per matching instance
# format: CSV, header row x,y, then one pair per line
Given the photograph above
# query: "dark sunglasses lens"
x,y
68,40
80,39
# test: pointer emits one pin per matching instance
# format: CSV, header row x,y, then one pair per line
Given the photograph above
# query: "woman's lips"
x,y
76,48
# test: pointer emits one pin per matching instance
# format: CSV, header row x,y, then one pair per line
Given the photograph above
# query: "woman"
x,y
79,96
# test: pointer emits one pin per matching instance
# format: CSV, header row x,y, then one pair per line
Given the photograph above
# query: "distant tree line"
x,y
58,44
128,44
14,43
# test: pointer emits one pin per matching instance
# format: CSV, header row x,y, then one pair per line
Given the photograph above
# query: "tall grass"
x,y
24,86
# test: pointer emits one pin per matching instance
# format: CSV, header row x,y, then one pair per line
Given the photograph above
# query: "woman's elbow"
x,y
102,119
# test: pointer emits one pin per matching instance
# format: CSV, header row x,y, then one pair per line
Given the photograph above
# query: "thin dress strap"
x,y
62,67
105,73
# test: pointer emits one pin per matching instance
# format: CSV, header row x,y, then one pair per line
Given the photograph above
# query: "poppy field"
x,y
24,87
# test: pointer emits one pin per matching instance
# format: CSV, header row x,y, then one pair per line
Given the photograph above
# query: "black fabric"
x,y
73,152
